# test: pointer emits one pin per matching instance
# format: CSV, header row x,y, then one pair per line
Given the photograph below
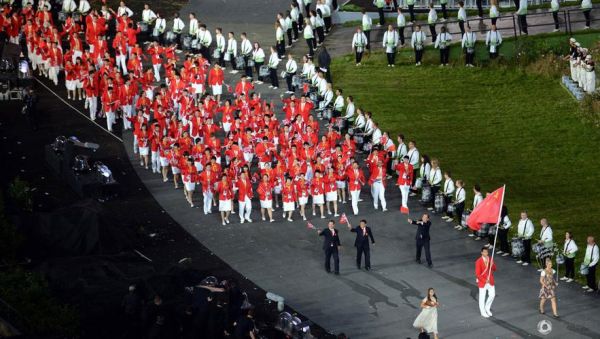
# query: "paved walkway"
x,y
286,258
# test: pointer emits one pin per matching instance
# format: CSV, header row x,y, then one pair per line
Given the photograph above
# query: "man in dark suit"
x,y
422,237
363,233
331,246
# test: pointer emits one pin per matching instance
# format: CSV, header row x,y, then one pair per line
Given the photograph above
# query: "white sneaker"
x,y
223,223
449,220
290,219
525,264
519,262
471,235
569,280
336,215
322,217
505,254
539,270
241,221
384,210
263,218
248,220
489,313
304,218
430,208
485,315
564,278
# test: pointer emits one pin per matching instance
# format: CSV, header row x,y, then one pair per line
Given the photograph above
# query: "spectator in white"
x,y
321,83
414,157
69,6
431,20
220,46
349,116
417,42
449,189
459,204
461,16
493,40
327,97
231,52
401,23
205,40
359,43
589,67
546,237
290,70
369,128
435,179
325,9
258,55
309,36
477,199
592,254
308,68
193,25
503,228
295,16
280,36
494,12
400,151
160,25
522,15
367,24
124,10
84,7
178,27
525,230
569,251
289,30
424,168
443,43
468,44
273,63
390,43
586,7
338,103
360,121
376,136
148,15
246,52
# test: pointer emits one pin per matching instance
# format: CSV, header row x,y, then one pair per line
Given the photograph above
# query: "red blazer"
x,y
355,181
481,272
405,176
375,173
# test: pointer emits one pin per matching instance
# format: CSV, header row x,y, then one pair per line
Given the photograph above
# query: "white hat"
x,y
572,40
588,57
577,44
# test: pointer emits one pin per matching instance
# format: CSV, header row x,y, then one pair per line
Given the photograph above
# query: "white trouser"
x,y
135,144
53,74
378,193
156,72
485,306
405,189
354,197
92,105
208,196
122,63
110,120
245,209
154,160
126,114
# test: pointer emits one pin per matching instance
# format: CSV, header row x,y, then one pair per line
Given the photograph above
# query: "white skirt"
x,y
217,89
144,150
340,184
189,186
288,206
226,127
266,204
198,88
331,196
70,84
318,199
164,162
78,84
224,205
175,170
303,200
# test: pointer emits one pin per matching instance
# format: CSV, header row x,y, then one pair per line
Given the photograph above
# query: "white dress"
x,y
427,319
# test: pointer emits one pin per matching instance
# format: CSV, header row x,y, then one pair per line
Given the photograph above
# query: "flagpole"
x,y
497,231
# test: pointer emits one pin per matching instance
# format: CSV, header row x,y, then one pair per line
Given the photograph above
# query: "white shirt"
x,y
350,113
401,20
377,136
462,14
220,41
506,223
124,10
367,23
148,15
291,66
424,171
401,151
273,60
308,70
570,248
193,30
232,46
160,24
442,40
449,187
435,176
204,37
246,47
460,195
493,38
178,25
525,229
546,234
338,104
477,199
69,6
468,40
84,6
414,157
359,41
418,39
432,16
327,98
258,54
592,252
294,14
390,41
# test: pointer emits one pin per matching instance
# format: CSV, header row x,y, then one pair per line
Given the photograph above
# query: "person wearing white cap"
x,y
590,75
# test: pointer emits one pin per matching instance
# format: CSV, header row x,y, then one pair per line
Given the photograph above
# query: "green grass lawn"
x,y
491,126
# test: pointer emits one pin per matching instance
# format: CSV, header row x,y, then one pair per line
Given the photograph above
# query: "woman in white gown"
x,y
427,320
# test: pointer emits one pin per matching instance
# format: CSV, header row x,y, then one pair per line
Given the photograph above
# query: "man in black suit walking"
x,y
331,246
422,237
363,233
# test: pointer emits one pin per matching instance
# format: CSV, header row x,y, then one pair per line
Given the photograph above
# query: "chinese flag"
x,y
488,211
343,219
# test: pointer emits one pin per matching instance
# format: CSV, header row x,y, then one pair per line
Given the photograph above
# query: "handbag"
x,y
424,335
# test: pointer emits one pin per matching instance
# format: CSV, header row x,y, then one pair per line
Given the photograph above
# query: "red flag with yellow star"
x,y
488,211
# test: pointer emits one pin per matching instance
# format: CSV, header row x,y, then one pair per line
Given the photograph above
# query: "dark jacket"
x,y
362,239
422,229
330,240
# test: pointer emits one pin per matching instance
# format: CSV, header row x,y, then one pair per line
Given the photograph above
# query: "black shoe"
x,y
430,265
418,261
337,273
368,268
